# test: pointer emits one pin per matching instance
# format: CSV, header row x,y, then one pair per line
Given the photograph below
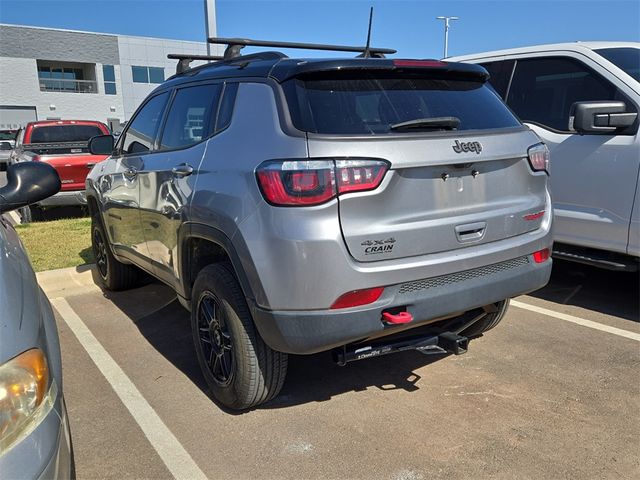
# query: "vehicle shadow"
x,y
604,291
57,213
313,378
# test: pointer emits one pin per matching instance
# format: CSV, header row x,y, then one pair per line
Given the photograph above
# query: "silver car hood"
x,y
20,312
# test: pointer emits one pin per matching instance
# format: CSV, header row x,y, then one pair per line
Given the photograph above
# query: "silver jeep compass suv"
x,y
363,205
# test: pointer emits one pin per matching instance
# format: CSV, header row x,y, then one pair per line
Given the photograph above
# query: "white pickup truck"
x,y
582,99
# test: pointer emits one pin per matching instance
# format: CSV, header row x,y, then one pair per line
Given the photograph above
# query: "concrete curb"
x,y
67,282
14,217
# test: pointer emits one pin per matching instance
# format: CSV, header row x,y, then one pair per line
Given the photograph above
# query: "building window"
x,y
140,74
147,74
109,75
156,75
58,77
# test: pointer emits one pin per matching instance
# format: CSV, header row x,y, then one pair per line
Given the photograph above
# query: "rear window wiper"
x,y
435,123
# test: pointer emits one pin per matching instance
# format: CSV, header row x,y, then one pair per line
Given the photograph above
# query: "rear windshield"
x,y
8,135
625,58
372,104
64,133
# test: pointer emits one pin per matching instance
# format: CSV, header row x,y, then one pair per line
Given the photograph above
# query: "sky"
x,y
408,26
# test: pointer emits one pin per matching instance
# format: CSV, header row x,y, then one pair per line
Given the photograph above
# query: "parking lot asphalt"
x,y
540,396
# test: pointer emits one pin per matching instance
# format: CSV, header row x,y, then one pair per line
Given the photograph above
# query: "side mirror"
x,y
5,146
27,183
101,145
600,117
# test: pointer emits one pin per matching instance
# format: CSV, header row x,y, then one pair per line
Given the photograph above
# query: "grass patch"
x,y
57,244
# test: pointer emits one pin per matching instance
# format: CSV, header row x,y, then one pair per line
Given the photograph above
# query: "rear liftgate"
x,y
434,343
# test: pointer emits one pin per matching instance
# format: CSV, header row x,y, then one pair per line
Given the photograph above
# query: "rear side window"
x,y
64,133
544,90
143,129
371,103
227,103
191,116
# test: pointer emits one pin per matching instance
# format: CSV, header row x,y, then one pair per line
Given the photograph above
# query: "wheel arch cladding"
x,y
203,245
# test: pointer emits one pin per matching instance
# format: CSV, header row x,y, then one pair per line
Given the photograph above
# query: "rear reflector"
x,y
356,298
534,216
541,256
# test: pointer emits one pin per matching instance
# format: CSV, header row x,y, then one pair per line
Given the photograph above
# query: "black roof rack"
x,y
234,45
184,60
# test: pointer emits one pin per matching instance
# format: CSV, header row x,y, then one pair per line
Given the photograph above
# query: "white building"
x,y
68,74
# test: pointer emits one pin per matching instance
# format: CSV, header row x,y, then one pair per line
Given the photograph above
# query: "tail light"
x,y
313,182
539,157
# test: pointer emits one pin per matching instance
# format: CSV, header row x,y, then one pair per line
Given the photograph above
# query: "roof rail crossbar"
x,y
234,45
184,60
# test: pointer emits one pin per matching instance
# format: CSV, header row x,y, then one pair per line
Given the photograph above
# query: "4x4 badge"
x,y
378,246
460,147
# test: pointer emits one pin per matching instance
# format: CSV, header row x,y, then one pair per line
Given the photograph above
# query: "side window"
x,y
543,90
142,130
500,75
191,116
225,112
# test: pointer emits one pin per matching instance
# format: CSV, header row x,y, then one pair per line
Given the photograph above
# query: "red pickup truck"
x,y
63,145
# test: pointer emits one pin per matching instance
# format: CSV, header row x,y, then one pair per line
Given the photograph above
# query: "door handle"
x,y
130,173
183,170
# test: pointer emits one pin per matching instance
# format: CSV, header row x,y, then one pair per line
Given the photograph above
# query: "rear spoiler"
x,y
288,69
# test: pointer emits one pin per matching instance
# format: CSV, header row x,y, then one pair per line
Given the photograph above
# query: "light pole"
x,y
210,21
446,32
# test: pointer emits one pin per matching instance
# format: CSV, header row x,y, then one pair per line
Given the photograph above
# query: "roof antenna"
x,y
367,52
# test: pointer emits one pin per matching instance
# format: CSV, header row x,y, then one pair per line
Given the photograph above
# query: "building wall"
x,y
148,52
22,46
63,45
19,85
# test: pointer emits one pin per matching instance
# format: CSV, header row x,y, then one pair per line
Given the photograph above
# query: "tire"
x,y
239,368
114,275
487,323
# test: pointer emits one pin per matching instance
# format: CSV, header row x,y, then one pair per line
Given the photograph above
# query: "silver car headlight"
x,y
26,396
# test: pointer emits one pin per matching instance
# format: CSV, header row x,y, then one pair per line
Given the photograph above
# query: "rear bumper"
x,y
65,199
428,300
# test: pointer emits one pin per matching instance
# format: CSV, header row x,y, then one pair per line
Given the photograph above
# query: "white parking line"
x,y
172,453
579,321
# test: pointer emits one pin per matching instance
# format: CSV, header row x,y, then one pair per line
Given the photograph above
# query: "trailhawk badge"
x,y
378,246
460,147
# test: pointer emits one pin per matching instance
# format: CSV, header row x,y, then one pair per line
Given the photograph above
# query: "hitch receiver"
x,y
453,343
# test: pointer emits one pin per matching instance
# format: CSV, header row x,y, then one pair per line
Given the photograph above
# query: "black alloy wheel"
x,y
100,253
215,340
